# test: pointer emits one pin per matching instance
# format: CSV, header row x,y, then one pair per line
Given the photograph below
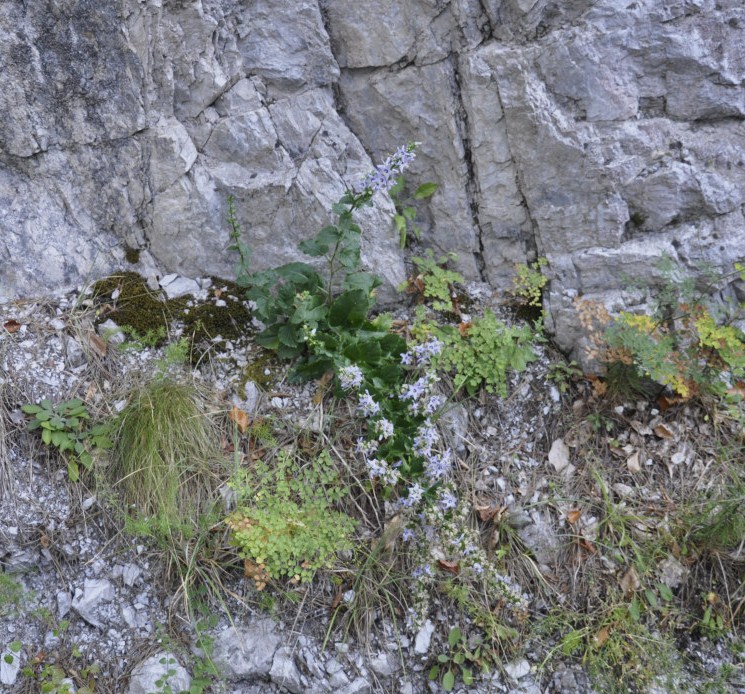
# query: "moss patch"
x,y
127,300
265,370
132,255
224,314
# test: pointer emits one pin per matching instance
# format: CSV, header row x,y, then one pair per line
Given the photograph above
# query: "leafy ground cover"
x,y
436,481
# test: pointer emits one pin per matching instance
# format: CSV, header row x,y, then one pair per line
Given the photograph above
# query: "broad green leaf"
x,y
362,280
442,658
665,593
409,213
319,245
349,309
448,681
424,191
31,409
651,597
467,676
46,436
434,672
288,335
72,471
635,610
454,636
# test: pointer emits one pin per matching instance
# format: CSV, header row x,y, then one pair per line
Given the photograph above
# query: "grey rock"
x,y
111,332
75,356
672,572
385,664
596,138
338,680
86,602
161,666
541,539
64,603
22,561
518,669
285,673
179,286
9,670
357,686
423,638
246,652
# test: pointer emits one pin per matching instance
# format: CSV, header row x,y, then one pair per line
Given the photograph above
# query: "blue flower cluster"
x,y
384,176
402,442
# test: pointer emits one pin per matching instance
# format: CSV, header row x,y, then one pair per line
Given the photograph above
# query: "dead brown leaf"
x,y
663,431
632,462
573,516
12,326
452,567
97,344
630,582
601,637
240,418
487,513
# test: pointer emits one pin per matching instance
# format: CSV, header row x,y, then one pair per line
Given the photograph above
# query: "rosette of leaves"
x,y
481,354
63,427
463,657
285,524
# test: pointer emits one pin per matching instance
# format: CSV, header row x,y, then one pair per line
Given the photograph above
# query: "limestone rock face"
x,y
597,136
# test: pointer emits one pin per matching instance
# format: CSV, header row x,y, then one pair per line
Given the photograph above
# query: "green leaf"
x,y
448,681
362,280
424,191
651,597
31,409
46,436
349,309
289,335
454,636
434,672
459,658
319,245
72,471
398,187
300,274
8,658
635,610
442,658
467,676
409,213
15,646
571,642
665,593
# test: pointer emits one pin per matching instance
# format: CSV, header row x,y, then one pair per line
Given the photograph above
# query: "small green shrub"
x,y
295,301
285,525
63,427
434,281
685,344
528,283
486,353
464,656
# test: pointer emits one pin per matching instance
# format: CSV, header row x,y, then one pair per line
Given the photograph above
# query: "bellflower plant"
x,y
402,450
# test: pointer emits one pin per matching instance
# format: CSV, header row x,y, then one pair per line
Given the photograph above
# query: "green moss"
x,y
204,322
136,307
132,254
256,371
